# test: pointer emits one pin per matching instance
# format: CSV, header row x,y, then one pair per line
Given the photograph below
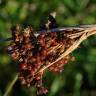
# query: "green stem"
x,y
11,85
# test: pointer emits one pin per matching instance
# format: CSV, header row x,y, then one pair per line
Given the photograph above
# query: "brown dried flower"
x,y
47,50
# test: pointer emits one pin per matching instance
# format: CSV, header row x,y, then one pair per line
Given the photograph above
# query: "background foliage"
x,y
78,78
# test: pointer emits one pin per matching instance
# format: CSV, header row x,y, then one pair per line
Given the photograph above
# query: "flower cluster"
x,y
35,52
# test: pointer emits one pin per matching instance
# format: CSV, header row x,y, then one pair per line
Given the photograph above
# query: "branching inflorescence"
x,y
47,50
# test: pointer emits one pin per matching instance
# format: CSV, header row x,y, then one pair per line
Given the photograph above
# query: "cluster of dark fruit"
x,y
35,52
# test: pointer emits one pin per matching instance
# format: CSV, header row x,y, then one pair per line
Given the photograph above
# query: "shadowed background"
x,y
79,77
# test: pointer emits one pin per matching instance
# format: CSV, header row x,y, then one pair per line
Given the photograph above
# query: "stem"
x,y
11,85
36,33
5,39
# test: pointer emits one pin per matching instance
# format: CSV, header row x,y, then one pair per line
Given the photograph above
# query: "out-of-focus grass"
x,y
78,78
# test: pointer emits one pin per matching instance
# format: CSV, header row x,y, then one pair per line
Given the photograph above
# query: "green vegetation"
x,y
78,78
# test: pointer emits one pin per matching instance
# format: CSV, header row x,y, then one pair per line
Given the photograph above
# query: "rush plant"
x,y
49,48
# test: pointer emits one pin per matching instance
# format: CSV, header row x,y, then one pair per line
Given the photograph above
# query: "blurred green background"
x,y
78,78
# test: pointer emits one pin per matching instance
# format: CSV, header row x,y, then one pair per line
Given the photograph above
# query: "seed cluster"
x,y
35,52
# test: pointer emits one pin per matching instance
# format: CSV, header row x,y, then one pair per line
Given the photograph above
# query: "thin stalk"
x,y
5,39
11,86
78,28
